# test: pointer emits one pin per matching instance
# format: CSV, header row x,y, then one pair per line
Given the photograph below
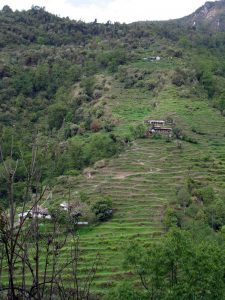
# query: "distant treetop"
x,y
6,9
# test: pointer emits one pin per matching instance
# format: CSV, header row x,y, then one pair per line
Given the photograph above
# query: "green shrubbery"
x,y
176,267
200,203
103,209
180,135
138,131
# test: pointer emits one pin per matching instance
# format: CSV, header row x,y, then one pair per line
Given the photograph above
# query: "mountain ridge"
x,y
210,16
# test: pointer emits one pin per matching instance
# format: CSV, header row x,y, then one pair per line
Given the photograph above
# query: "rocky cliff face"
x,y
211,16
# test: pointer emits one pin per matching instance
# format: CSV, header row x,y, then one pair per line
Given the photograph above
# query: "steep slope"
x,y
210,16
143,180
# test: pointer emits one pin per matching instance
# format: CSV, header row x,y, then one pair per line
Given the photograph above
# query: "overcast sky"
x,y
115,10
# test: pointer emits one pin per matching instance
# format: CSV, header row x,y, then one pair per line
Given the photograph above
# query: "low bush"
x,y
103,209
138,131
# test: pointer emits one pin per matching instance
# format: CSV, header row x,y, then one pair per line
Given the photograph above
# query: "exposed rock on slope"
x,y
211,15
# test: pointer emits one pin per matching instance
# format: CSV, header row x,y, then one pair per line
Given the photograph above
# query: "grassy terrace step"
x,y
143,179
133,219
130,201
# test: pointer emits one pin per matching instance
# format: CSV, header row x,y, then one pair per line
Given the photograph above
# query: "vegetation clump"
x,y
103,209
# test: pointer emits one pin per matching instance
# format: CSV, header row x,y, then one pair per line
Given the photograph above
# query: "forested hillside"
x,y
148,208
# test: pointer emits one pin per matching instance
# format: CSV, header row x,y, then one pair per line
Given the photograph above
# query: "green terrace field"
x,y
74,101
142,180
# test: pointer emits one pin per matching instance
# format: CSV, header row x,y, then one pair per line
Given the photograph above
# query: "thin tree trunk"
x,y
11,252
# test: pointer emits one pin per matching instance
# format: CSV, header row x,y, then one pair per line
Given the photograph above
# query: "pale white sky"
x,y
115,10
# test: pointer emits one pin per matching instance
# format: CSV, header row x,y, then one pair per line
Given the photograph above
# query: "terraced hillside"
x,y
74,98
142,181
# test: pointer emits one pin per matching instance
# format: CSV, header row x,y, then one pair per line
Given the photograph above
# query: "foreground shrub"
x,y
103,209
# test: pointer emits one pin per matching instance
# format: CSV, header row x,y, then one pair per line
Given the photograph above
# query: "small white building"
x,y
82,223
73,211
35,212
161,130
155,122
66,206
155,58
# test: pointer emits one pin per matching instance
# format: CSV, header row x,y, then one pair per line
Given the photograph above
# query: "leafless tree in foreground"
x,y
37,263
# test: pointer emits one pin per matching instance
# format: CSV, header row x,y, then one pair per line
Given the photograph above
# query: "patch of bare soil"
x,y
123,175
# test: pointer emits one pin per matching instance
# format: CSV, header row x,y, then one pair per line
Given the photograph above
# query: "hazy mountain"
x,y
211,15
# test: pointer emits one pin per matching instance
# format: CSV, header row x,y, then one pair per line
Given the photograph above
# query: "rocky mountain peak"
x,y
211,16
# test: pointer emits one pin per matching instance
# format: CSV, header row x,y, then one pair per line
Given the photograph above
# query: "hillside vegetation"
x,y
79,94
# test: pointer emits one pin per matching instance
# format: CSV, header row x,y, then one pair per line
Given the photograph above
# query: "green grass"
x,y
142,180
152,170
163,64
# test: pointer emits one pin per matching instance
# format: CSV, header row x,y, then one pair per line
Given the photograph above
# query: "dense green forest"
x,y
73,100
